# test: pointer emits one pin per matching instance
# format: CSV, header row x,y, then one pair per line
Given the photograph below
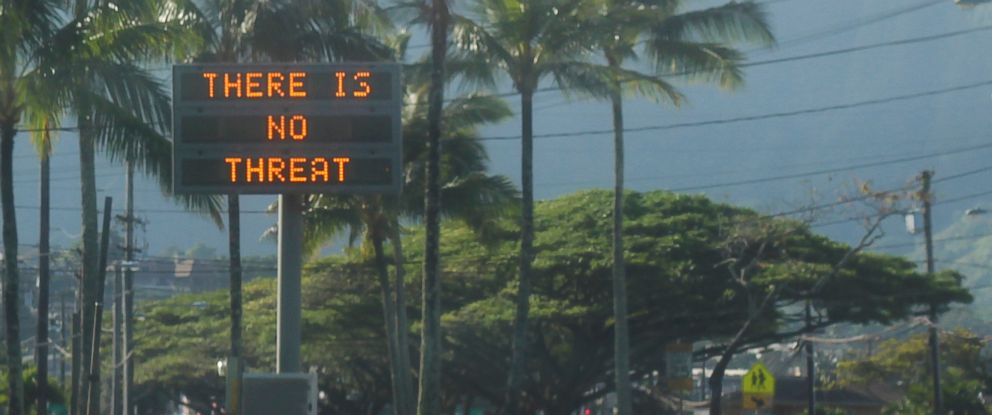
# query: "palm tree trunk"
x,y
429,398
41,336
389,315
402,324
11,289
518,357
87,168
621,335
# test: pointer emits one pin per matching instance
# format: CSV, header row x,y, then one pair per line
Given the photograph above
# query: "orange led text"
x,y
254,85
277,127
287,169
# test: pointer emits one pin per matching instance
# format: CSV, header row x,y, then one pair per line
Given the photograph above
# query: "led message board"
x,y
286,128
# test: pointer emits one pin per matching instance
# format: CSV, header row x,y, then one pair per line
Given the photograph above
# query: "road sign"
x,y
678,366
287,128
758,380
757,402
758,388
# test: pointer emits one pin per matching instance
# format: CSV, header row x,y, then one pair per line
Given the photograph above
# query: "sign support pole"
x,y
290,265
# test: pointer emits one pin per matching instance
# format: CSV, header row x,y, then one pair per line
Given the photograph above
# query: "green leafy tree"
x,y
31,391
678,291
900,363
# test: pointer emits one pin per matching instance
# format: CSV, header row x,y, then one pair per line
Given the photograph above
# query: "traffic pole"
x,y
290,264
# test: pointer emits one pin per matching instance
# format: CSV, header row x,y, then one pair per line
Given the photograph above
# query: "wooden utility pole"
x,y
938,399
75,404
65,344
127,300
93,377
810,364
44,279
115,368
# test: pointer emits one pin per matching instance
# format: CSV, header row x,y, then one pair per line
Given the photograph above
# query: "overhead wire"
x,y
860,23
745,64
756,117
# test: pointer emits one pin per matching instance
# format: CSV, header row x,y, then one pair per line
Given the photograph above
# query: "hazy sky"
x,y
695,158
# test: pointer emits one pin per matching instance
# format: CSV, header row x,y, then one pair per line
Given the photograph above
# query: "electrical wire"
x,y
757,117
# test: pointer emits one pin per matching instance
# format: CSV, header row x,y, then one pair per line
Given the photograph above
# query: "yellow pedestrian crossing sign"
x,y
758,381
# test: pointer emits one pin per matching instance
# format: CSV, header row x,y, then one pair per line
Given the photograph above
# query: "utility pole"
x,y
810,364
44,279
74,402
93,377
65,344
938,400
127,300
115,384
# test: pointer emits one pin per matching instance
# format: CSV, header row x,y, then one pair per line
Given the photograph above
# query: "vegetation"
x,y
673,251
965,370
547,306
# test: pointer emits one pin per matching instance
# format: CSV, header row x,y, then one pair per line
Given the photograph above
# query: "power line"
x,y
841,51
939,202
758,117
867,47
831,170
838,29
682,73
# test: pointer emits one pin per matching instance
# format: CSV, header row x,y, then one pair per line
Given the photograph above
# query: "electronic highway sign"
x,y
287,128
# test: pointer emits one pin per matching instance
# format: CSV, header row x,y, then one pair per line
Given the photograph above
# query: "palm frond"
x,y
649,86
729,23
703,62
581,77
125,136
475,110
24,26
480,200
327,218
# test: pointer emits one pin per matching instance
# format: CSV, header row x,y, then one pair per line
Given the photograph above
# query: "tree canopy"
x,y
679,290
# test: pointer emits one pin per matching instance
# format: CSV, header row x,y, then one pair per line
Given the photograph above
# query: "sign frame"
x,y
390,148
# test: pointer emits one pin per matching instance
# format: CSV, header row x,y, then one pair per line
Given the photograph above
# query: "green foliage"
x,y
30,376
904,364
678,290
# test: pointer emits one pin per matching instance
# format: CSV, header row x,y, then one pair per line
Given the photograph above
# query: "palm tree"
x,y
527,40
24,26
429,394
693,44
468,194
89,68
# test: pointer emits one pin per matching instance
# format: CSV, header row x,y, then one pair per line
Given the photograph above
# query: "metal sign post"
x,y
290,264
